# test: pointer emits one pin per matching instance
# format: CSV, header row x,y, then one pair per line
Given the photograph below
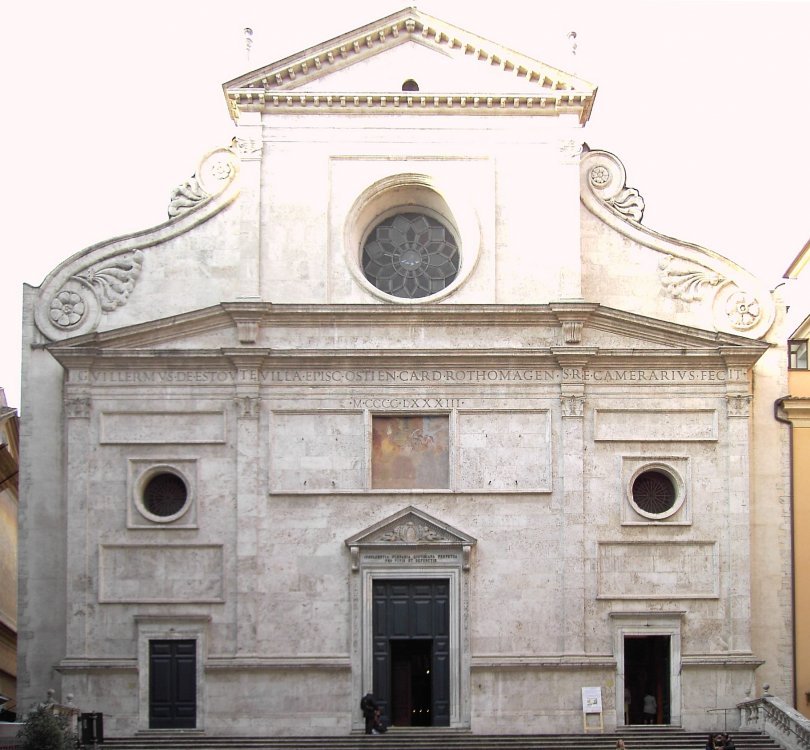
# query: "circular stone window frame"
x,y
143,480
677,483
412,193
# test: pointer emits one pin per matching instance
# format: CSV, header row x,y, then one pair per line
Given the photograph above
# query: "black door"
x,y
411,625
646,678
172,684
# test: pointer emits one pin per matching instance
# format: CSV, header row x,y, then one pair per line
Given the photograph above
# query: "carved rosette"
x,y
606,180
215,172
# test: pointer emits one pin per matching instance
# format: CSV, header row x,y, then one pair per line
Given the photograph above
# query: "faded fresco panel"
x,y
410,452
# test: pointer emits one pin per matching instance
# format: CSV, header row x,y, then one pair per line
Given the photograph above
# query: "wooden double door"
x,y
411,651
173,684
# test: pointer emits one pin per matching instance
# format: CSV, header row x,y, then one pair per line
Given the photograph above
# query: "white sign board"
x,y
592,700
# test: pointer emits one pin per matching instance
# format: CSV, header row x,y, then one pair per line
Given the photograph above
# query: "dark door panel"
x,y
411,651
173,684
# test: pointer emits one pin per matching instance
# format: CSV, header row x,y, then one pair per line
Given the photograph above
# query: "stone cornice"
x,y
550,662
276,86
471,103
669,336
402,358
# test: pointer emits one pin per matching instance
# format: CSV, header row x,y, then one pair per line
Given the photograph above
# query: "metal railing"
x,y
725,711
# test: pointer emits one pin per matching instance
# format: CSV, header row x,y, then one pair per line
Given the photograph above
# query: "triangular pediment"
x,y
455,70
410,527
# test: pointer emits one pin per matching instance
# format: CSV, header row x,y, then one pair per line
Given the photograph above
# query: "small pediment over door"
x,y
414,529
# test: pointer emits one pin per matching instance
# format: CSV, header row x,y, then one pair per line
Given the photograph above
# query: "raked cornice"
x,y
178,339
100,279
738,301
273,88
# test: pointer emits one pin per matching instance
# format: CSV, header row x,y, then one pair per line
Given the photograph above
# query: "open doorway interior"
x,y
647,690
411,698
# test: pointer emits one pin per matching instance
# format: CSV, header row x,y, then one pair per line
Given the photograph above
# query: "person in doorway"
x,y
368,706
379,725
628,699
650,709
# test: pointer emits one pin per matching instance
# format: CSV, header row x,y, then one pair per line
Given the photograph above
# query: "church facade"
x,y
403,398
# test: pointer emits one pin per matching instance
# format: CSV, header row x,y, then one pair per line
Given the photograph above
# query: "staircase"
x,y
635,738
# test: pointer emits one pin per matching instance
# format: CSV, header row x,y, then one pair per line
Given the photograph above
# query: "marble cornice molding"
x,y
550,662
95,664
98,280
399,358
277,86
269,663
743,661
250,327
736,300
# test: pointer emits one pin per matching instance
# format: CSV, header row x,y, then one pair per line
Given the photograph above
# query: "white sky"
x,y
107,106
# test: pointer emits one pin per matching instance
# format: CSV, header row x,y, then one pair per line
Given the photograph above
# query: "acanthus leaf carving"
x,y
214,172
412,533
629,203
185,196
686,281
114,280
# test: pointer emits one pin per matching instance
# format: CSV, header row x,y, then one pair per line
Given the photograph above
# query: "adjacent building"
x,y
795,408
404,398
9,501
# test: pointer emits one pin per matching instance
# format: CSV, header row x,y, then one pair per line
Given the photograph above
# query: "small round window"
x,y
163,495
411,255
655,493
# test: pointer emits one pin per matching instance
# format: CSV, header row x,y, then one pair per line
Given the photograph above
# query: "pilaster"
x,y
572,442
737,545
248,145
81,544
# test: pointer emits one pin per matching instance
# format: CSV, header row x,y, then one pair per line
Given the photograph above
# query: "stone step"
x,y
664,738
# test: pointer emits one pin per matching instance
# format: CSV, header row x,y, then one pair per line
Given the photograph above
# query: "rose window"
x,y
653,492
165,495
411,255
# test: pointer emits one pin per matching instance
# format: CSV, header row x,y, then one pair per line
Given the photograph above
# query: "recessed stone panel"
x,y
312,451
659,425
657,570
125,427
135,573
508,450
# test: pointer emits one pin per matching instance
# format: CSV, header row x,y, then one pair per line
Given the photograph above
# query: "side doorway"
x,y
411,650
172,684
647,687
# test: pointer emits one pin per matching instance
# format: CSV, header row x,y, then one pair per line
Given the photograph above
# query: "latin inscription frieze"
x,y
408,558
405,377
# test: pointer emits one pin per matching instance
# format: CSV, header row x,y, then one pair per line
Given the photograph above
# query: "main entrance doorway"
x,y
173,684
411,650
647,673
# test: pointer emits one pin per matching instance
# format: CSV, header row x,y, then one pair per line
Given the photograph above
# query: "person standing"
x,y
650,709
368,706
